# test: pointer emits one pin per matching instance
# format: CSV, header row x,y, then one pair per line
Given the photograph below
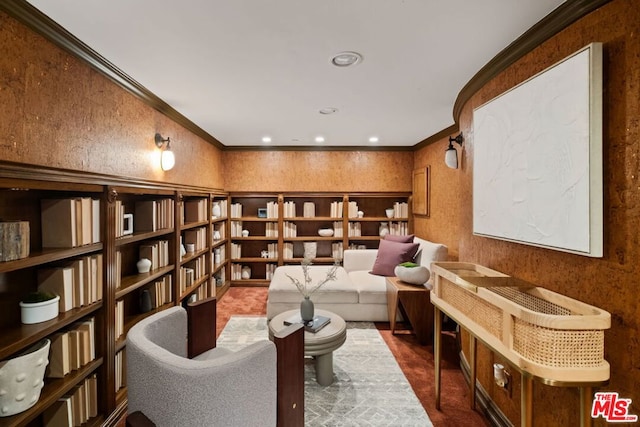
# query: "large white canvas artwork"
x,y
537,164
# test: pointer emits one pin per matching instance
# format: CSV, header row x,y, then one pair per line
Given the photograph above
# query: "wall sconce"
x,y
451,155
167,158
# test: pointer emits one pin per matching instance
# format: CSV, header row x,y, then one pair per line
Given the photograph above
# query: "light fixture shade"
x,y
167,160
451,158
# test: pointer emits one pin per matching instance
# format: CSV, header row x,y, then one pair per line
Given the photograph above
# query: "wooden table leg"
x,y
473,348
437,341
526,401
392,306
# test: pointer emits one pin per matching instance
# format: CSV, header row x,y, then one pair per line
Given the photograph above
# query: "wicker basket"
x,y
543,333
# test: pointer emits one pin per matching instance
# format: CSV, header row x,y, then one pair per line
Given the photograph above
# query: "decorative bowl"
x,y
418,275
325,232
389,212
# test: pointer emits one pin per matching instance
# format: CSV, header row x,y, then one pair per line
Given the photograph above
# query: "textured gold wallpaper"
x,y
57,111
349,171
611,283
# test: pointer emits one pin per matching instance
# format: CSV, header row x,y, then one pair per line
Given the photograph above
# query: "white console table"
x,y
545,336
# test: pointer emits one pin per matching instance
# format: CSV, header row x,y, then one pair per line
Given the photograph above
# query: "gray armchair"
x,y
215,388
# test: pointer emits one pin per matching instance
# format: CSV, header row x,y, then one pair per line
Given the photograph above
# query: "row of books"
x,y
287,250
336,210
157,252
337,251
121,370
67,223
119,324
153,215
194,210
236,250
354,229
400,210
398,228
236,210
219,277
352,210
219,256
272,209
78,283
289,209
197,236
235,228
269,270
271,229
160,291
272,251
71,349
236,271
74,408
204,291
289,229
337,229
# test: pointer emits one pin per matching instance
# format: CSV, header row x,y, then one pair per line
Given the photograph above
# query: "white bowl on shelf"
x,y
325,232
389,212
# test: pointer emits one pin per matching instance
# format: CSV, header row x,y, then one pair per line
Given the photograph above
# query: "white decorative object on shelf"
x,y
144,265
325,232
384,229
389,212
21,379
216,212
310,250
246,272
360,214
36,312
245,233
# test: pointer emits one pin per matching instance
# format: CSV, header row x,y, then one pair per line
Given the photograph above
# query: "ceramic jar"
x,y
384,229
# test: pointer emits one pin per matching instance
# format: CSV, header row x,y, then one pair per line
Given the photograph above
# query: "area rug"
x,y
369,387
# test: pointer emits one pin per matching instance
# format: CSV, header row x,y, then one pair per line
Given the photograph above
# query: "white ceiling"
x,y
243,69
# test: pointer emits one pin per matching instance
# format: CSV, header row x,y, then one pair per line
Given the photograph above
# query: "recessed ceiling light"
x,y
328,110
346,59
319,139
266,139
373,139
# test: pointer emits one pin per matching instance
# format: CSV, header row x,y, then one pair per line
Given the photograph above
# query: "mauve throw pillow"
x,y
401,239
391,254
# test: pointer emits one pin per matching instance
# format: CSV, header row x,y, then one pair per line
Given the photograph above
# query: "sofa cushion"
x,y
391,254
429,252
372,288
341,290
401,239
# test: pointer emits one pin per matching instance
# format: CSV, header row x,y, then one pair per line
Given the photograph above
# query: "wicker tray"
x,y
543,333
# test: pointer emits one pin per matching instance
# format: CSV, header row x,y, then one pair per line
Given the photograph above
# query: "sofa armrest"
x,y
359,259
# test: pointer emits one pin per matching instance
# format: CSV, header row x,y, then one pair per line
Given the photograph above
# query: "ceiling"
x,y
245,69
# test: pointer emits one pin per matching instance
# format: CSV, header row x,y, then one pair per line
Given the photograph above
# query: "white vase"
x,y
216,212
36,312
22,379
384,229
144,265
246,272
216,235
310,250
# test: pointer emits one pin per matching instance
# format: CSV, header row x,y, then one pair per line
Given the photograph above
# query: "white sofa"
x,y
356,294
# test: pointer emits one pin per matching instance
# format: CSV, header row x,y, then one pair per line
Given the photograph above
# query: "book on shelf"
x,y
59,362
195,210
58,218
145,215
71,222
314,326
59,281
59,414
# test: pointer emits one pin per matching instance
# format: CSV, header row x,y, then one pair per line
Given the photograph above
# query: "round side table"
x,y
320,344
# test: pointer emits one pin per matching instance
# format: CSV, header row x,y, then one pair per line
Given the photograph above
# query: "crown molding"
x,y
560,18
563,16
52,31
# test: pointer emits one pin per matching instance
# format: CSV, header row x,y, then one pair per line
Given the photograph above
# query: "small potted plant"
x,y
39,307
412,273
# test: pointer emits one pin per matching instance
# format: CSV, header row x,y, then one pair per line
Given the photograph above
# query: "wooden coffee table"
x,y
319,345
414,304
